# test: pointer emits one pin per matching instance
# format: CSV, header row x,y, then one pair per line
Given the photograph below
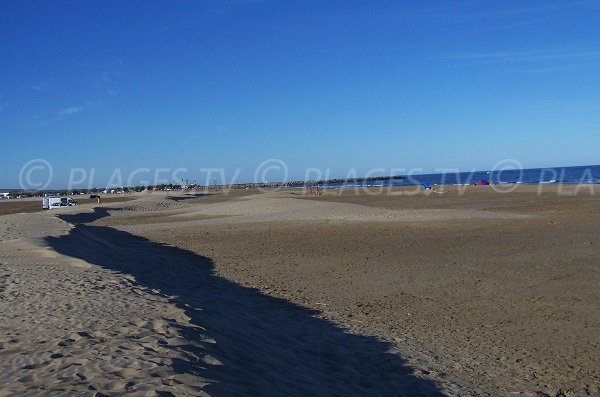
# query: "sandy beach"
x,y
272,293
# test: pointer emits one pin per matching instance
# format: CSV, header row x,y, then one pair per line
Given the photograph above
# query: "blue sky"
x,y
336,85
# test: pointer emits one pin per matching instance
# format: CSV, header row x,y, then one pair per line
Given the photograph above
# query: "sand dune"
x,y
282,207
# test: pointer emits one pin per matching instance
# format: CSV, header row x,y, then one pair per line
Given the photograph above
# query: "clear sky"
x,y
318,84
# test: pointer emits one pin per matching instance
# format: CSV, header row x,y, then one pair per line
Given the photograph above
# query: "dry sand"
x,y
280,294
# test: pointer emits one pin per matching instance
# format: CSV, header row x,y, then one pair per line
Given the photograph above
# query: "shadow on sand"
x,y
190,196
268,346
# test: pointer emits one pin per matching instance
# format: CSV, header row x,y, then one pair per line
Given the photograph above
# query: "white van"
x,y
49,203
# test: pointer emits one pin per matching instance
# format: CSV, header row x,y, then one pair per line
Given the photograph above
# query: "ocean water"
x,y
557,175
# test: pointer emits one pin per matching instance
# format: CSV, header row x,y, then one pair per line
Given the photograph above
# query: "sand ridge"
x,y
282,207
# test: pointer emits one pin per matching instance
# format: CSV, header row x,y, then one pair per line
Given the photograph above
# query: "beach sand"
x,y
400,292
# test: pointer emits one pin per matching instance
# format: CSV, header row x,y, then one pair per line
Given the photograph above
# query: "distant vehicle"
x,y
55,202
94,196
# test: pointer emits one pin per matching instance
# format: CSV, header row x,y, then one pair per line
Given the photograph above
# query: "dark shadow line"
x,y
190,196
268,346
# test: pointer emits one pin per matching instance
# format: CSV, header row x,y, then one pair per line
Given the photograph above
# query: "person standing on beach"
x,y
99,200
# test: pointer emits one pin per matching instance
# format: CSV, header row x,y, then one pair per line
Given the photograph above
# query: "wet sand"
x,y
280,293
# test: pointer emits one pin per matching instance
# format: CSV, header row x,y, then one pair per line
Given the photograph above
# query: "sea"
x,y
554,175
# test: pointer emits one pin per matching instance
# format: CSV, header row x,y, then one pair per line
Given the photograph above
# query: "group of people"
x,y
314,190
